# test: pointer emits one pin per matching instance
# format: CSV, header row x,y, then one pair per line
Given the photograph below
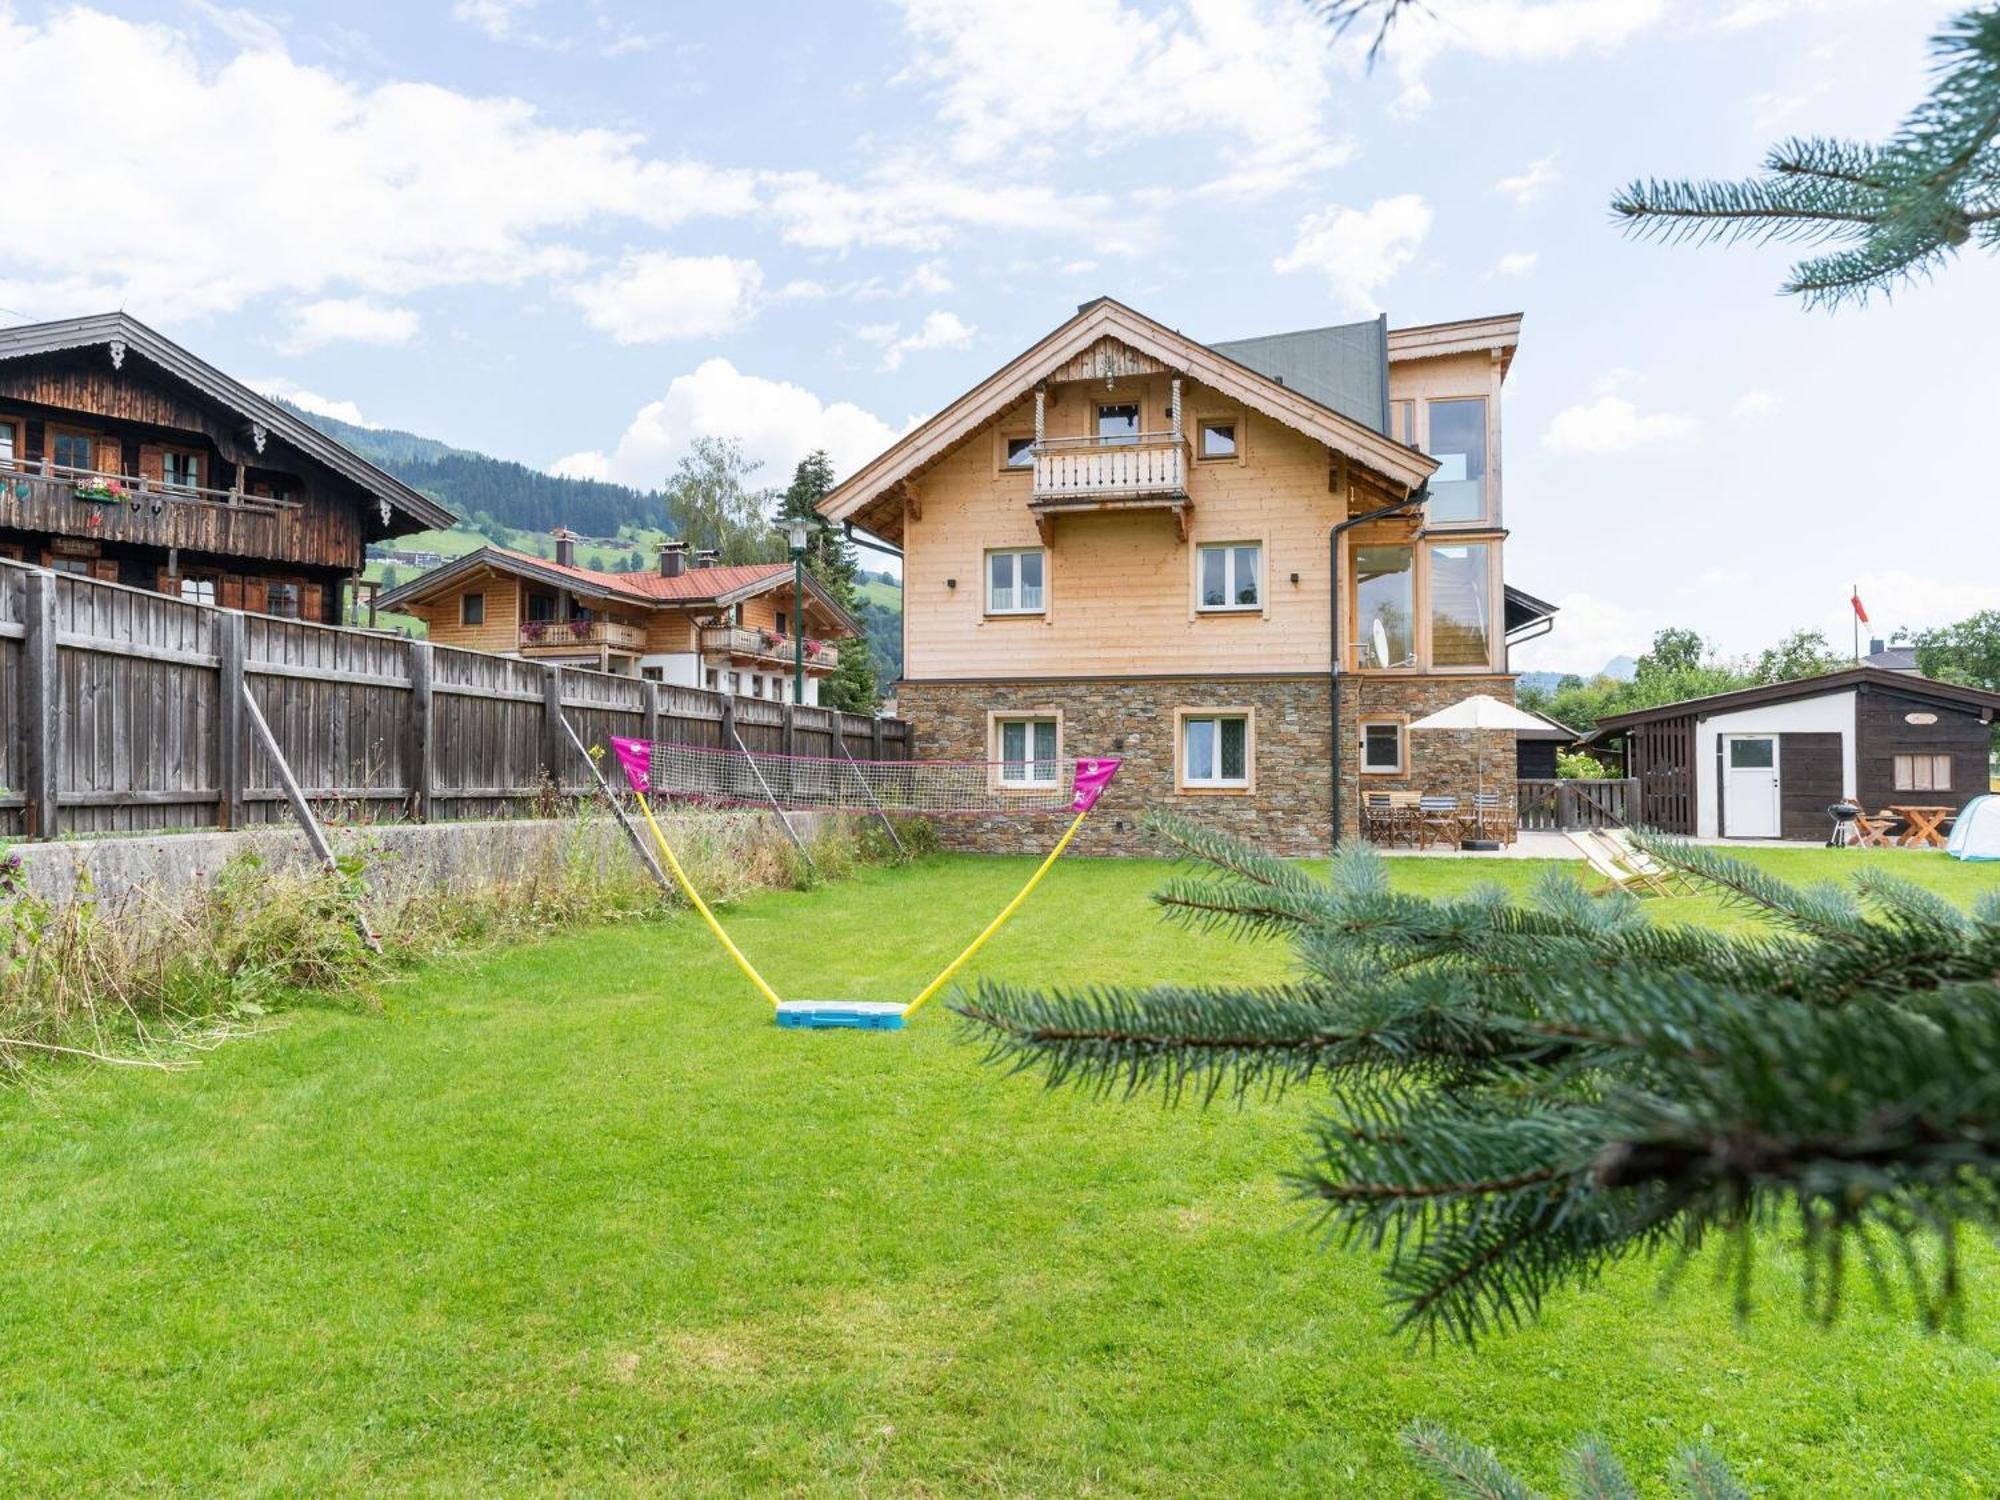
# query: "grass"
x,y
576,1218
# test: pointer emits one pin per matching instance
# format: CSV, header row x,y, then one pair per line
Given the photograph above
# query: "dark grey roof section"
x,y
1342,367
123,328
1892,659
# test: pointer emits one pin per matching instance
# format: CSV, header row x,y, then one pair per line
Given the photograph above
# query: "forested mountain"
x,y
511,494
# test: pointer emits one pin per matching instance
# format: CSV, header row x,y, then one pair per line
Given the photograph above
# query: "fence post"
x,y
41,706
552,732
728,720
649,696
791,729
875,737
418,751
1565,806
232,763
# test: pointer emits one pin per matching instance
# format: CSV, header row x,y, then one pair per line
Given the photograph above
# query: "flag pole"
x,y
1854,593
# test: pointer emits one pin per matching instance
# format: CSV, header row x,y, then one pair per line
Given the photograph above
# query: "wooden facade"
x,y
125,459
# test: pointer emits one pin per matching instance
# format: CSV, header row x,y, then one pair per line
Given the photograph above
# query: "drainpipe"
x,y
1414,501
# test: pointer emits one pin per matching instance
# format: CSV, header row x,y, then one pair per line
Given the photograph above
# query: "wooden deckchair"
x,y
1645,865
1605,859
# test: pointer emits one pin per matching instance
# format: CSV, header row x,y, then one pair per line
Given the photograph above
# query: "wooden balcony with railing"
x,y
41,496
742,644
1146,472
552,637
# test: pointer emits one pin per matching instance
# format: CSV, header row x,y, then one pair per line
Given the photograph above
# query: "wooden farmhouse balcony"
x,y
539,636
119,508
1146,472
739,643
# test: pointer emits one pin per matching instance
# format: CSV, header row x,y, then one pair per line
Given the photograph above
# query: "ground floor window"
x,y
1382,748
198,590
1215,749
282,600
1923,773
1028,751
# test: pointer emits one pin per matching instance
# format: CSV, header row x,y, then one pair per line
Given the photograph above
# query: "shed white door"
x,y
1750,786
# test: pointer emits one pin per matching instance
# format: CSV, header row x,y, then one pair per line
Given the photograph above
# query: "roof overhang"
x,y
125,335
871,497
1500,334
1904,684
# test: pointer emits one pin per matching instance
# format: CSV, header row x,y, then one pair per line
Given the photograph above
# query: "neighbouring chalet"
x,y
125,458
1767,762
690,623
1218,561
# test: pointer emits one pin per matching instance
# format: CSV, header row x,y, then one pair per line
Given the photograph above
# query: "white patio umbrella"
x,y
1480,711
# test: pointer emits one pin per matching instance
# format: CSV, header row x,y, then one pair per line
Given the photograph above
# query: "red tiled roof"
x,y
694,586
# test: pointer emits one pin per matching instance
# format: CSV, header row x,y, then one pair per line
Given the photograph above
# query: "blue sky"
x,y
579,235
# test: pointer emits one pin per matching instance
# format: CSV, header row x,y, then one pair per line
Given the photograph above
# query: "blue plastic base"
x,y
862,1015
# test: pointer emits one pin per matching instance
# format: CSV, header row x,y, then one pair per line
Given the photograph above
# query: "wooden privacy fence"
x,y
1559,805
122,711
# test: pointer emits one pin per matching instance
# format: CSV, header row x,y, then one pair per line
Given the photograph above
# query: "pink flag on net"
x,y
636,756
1092,777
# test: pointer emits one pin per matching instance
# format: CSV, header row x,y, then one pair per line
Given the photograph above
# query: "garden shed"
x,y
1766,762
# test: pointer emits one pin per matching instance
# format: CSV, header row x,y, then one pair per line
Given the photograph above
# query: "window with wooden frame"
x,y
1403,422
1383,584
10,442
1923,773
80,566
1455,435
1118,423
1229,576
180,469
541,609
72,450
1017,452
200,588
1460,589
1027,749
472,609
1215,749
281,599
1017,581
1382,747
1215,439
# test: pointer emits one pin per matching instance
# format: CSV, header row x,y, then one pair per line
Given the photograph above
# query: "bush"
x,y
1574,765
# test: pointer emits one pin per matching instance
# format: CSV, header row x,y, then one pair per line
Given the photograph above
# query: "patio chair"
x,y
1494,818
1378,818
1438,818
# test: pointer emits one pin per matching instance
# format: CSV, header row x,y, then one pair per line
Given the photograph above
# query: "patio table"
x,y
1923,831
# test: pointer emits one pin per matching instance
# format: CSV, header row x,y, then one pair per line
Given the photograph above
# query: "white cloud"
x,y
501,20
1589,632
1611,424
1038,78
929,278
911,204
1359,250
1526,186
1515,263
656,296
309,184
348,320
312,401
777,423
941,330
1754,404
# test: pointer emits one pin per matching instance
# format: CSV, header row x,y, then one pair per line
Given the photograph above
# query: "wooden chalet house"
x,y
692,623
1219,561
125,458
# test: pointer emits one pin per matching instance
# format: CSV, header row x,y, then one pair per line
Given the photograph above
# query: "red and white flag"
x,y
1860,613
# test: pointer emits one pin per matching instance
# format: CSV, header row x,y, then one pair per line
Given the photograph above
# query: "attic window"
x,y
472,609
1218,440
1020,452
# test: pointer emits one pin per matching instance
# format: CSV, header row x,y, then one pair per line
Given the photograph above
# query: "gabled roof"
x,y
693,589
868,496
121,328
1903,684
1557,731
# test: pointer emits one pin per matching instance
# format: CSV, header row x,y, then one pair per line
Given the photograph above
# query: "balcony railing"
x,y
1154,464
40,496
567,635
765,645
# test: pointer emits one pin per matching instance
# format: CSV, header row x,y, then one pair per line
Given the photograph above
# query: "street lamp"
x,y
796,534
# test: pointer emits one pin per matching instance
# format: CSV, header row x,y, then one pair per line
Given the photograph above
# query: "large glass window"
x,y
1014,582
1461,597
1215,750
1385,607
1229,575
1028,752
1458,443
1118,424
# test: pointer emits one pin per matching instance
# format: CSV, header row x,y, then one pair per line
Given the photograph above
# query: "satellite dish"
x,y
1381,644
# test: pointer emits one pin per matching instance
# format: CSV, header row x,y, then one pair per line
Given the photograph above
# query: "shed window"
x,y
472,609
1923,773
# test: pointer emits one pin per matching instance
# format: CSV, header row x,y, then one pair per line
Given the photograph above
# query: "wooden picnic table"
x,y
1923,831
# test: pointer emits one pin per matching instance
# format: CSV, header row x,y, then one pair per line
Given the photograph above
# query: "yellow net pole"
x,y
694,897
998,922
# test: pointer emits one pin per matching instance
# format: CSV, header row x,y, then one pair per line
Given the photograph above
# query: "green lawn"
x,y
576,1218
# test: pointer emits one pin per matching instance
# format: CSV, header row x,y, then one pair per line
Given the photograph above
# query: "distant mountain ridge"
x,y
1622,668
508,493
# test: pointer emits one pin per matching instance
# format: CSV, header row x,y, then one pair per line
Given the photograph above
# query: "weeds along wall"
x,y
122,711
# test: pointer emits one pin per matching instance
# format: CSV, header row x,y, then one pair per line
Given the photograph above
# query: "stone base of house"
x,y
1287,810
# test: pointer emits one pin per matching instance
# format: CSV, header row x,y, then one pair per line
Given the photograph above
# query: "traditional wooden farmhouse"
x,y
123,457
694,622
1767,762
1218,561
